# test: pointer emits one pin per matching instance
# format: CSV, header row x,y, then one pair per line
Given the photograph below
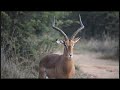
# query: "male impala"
x,y
60,66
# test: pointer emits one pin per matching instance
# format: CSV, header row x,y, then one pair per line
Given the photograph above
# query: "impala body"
x,y
60,66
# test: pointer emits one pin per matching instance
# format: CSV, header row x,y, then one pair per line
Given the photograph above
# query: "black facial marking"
x,y
65,46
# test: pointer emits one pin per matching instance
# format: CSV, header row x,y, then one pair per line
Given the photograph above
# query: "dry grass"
x,y
79,74
25,64
12,68
108,49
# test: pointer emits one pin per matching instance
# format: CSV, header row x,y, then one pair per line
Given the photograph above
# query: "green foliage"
x,y
17,27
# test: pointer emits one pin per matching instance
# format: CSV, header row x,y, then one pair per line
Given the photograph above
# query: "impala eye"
x,y
65,44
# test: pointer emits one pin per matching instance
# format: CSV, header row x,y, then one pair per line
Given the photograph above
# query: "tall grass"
x,y
16,65
108,48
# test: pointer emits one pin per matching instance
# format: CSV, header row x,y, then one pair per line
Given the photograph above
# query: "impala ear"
x,y
59,41
76,40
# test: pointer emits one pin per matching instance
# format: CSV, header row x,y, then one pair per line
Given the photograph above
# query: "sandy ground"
x,y
96,68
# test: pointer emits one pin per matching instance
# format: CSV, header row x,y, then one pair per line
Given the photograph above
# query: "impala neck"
x,y
68,64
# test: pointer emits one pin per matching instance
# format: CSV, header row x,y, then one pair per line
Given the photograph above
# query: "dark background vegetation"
x,y
27,36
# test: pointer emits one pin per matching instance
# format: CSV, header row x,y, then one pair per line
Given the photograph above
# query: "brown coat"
x,y
56,66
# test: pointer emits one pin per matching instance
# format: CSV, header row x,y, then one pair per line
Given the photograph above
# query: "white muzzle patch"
x,y
70,55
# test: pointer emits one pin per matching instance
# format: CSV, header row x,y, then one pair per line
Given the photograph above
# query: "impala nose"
x,y
70,55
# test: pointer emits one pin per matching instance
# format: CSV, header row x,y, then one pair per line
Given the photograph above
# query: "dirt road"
x,y
98,68
94,67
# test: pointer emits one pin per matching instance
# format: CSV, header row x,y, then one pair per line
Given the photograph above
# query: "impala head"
x,y
68,42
